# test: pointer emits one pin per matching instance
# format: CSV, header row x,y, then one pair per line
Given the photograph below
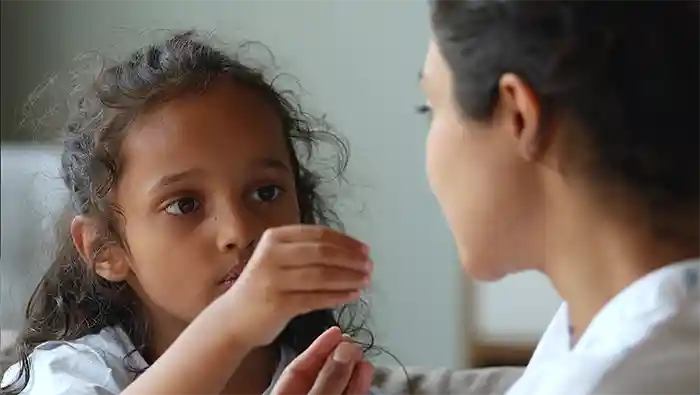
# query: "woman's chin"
x,y
483,269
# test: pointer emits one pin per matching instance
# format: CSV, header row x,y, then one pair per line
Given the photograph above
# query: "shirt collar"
x,y
644,303
626,317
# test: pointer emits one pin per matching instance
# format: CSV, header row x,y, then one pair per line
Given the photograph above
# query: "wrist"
x,y
218,317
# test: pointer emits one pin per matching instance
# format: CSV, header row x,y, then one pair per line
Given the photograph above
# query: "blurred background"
x,y
357,62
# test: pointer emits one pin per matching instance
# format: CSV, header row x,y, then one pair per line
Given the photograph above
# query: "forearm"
x,y
200,361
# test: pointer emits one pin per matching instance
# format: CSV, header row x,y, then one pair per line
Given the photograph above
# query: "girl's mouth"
x,y
229,280
231,277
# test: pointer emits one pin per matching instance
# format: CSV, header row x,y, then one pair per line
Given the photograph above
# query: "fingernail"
x,y
365,249
343,353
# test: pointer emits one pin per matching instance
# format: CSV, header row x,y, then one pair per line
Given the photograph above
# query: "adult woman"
x,y
564,138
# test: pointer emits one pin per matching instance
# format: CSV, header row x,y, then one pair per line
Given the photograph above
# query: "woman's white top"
x,y
646,340
99,364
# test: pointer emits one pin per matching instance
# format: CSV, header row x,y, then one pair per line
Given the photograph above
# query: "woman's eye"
x,y
267,193
182,206
424,109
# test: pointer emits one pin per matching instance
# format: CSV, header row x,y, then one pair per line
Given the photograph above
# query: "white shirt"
x,y
646,340
93,365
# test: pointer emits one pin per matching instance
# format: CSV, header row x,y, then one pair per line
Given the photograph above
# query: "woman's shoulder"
x,y
666,361
98,363
658,359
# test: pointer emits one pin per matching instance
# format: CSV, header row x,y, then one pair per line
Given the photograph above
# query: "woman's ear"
x,y
108,260
520,109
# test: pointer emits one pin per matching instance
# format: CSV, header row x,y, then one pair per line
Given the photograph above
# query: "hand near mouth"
x,y
232,275
293,270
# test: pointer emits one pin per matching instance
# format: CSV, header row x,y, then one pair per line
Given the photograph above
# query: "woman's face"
x,y
489,192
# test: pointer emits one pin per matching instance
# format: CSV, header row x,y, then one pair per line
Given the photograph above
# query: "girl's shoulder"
x,y
101,363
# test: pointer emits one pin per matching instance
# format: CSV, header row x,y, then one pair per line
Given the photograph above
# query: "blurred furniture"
x,y
496,354
510,315
6,338
31,196
430,381
7,352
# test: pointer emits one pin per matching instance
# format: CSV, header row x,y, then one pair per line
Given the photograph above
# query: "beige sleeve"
x,y
420,381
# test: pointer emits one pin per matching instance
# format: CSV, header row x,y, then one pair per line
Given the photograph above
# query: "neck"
x,y
253,376
255,373
593,254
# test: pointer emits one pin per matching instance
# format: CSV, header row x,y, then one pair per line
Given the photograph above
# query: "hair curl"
x,y
71,301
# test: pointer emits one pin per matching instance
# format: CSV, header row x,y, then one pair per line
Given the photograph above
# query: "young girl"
x,y
564,138
190,261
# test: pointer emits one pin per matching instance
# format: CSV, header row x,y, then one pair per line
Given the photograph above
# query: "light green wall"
x,y
358,60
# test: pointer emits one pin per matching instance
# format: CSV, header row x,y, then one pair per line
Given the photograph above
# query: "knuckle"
x,y
338,374
269,235
322,232
266,248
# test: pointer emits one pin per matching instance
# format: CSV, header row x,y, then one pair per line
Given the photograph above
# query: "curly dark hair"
x,y
625,73
71,301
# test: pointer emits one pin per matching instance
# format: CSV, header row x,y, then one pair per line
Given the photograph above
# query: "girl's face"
x,y
204,176
488,191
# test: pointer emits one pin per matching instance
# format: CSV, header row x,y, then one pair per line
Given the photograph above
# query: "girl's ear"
x,y
108,260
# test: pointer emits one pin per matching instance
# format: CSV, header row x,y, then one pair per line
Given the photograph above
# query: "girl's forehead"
x,y
222,105
224,113
225,124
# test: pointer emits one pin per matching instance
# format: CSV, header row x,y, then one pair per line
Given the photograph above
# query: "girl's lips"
x,y
234,272
232,275
228,281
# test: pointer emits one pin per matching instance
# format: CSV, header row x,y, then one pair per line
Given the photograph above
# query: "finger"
x,y
306,302
313,358
318,233
305,253
322,279
361,379
337,371
298,377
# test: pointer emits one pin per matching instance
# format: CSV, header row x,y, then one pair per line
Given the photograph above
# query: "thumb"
x,y
299,376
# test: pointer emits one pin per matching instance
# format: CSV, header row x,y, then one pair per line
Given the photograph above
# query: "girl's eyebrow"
x,y
174,178
170,179
271,163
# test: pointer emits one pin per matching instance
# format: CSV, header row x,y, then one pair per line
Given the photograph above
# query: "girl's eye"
x,y
182,206
267,193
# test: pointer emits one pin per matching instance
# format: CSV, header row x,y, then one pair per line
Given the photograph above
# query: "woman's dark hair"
x,y
627,73
71,301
